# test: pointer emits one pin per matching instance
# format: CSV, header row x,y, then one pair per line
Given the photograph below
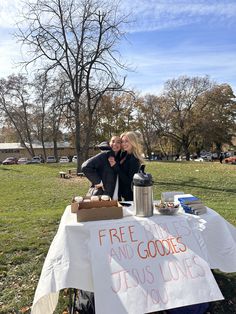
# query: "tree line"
x,y
191,114
75,86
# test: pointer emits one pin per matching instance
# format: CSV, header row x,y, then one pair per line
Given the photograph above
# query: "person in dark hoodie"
x,y
98,171
103,180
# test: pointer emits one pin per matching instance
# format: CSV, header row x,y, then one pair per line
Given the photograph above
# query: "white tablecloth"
x,y
68,263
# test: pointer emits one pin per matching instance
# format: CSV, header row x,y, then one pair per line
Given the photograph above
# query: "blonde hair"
x,y
136,146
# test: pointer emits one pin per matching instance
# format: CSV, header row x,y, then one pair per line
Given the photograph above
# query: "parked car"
x,y
22,161
10,161
35,160
215,156
207,156
183,158
51,159
230,160
74,159
226,154
64,159
38,158
200,159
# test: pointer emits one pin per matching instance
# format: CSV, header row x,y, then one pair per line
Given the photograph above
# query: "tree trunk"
x,y
218,148
55,153
185,145
78,136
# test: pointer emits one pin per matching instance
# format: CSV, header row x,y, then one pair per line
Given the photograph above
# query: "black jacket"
x,y
126,170
97,169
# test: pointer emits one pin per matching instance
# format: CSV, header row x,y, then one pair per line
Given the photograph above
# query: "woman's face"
x,y
115,143
126,145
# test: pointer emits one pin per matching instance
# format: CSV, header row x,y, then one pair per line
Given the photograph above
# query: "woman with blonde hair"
x,y
129,164
131,145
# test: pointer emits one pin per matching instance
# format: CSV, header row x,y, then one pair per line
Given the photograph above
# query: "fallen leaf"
x,y
25,309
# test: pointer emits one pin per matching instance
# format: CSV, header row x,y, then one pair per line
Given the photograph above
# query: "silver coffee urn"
x,y
143,193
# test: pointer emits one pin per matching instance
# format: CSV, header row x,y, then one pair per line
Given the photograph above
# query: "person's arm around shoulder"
x,y
132,166
92,166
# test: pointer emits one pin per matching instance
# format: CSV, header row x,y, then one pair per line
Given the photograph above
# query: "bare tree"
x,y
51,95
149,120
57,115
79,38
16,105
42,99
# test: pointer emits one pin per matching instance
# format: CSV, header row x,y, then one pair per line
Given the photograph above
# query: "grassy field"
x,y
33,198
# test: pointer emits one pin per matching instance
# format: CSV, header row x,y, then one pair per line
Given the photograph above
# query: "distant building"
x,y
18,150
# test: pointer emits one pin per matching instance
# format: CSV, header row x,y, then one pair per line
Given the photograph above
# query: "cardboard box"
x,y
74,207
169,196
99,210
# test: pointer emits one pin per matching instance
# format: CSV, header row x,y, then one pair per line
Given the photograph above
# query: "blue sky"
x,y
182,37
167,39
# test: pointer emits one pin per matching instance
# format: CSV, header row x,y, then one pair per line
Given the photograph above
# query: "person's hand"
x,y
112,161
99,185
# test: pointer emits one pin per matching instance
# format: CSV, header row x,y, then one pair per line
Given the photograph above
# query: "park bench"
x,y
62,174
70,173
80,174
74,172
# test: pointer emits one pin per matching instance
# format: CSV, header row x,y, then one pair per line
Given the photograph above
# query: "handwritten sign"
x,y
149,265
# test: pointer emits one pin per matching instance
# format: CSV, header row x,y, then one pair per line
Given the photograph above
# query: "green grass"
x,y
213,182
33,198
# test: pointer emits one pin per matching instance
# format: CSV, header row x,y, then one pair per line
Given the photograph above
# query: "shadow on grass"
x,y
10,169
190,183
227,285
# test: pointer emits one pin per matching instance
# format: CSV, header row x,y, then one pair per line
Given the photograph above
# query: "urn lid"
x,y
141,178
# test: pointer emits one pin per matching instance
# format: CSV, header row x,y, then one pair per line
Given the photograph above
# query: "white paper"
x,y
150,265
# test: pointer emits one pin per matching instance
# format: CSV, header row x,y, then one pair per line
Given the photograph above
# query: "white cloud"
x,y
155,68
9,55
9,10
9,49
152,15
